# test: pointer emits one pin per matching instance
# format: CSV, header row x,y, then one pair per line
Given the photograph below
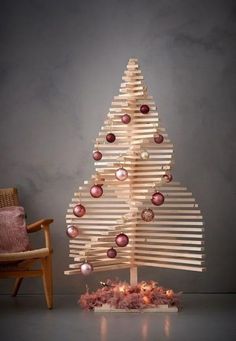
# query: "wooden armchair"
x,y
20,263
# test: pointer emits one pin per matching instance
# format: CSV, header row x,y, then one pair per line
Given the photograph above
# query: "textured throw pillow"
x,y
13,233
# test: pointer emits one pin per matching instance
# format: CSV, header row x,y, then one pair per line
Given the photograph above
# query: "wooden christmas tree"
x,y
131,213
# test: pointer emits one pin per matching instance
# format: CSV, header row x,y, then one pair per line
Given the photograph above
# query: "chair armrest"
x,y
42,224
38,225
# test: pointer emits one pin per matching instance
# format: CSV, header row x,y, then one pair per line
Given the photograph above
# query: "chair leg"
x,y
17,284
47,280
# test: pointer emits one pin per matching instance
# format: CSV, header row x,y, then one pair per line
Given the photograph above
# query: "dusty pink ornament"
x,y
96,191
158,199
97,155
86,268
126,119
121,174
79,210
122,240
158,138
147,214
111,253
72,231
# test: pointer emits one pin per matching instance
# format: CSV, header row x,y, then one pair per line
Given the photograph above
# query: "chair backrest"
x,y
8,197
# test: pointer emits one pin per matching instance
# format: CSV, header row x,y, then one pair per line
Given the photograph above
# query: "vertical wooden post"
x,y
133,275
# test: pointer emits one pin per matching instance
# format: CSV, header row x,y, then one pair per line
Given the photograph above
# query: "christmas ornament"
x,y
144,155
97,155
110,137
158,199
147,214
144,109
122,240
126,119
72,231
121,174
158,138
96,191
111,253
168,178
79,210
86,268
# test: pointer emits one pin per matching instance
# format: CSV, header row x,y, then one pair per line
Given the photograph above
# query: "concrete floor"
x,y
204,317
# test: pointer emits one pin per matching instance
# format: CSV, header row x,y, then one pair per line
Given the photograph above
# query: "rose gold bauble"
x,y
111,253
110,137
126,119
158,199
79,210
168,177
97,155
86,268
121,174
96,191
122,240
158,138
144,109
147,214
72,231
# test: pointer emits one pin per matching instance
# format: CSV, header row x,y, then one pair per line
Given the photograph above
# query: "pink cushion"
x,y
13,233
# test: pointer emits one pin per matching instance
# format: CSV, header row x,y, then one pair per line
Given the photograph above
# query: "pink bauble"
x,y
96,191
79,210
121,174
158,138
168,177
147,214
126,119
122,240
110,137
86,268
72,231
158,199
144,109
97,155
111,253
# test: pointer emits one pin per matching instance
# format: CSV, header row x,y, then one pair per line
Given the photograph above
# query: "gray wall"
x,y
61,63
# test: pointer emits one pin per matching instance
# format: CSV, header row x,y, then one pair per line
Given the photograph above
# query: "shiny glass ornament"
x,y
97,155
121,174
158,199
144,109
122,240
96,191
79,210
111,253
158,138
126,119
72,231
86,268
110,137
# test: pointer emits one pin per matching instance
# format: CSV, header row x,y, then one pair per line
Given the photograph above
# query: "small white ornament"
x,y
121,174
86,268
144,155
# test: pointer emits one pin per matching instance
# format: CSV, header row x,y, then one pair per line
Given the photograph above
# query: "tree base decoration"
x,y
116,296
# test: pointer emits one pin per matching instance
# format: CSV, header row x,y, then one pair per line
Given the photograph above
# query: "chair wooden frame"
x,y
25,260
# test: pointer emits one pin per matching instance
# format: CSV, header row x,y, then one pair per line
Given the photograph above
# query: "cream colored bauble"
x,y
144,155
